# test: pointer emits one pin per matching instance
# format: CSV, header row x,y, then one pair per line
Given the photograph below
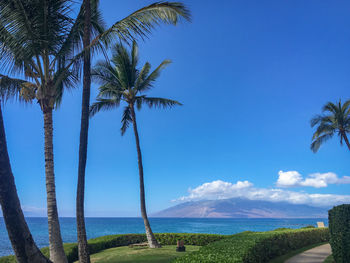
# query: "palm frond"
x,y
103,104
105,74
122,61
315,145
331,107
142,75
143,85
14,54
316,120
11,87
324,128
345,106
139,102
134,55
68,79
141,22
158,102
319,119
126,119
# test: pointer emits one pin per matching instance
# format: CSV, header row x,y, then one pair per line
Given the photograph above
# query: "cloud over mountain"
x,y
218,189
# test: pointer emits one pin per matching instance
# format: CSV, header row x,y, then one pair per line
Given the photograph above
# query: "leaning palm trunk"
x,y
122,81
22,241
152,242
83,248
56,246
346,140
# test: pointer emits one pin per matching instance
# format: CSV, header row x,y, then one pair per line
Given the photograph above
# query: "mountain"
x,y
241,208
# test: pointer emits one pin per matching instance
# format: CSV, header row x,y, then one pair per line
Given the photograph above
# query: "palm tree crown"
x,y
121,80
334,120
41,42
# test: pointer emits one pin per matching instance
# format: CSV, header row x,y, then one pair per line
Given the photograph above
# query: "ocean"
x,y
107,226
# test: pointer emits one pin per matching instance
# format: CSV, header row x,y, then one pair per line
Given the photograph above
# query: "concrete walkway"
x,y
314,255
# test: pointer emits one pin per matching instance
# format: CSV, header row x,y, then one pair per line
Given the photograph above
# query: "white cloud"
x,y
317,180
217,189
223,190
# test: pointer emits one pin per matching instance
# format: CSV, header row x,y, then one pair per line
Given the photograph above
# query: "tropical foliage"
x,y
335,120
41,51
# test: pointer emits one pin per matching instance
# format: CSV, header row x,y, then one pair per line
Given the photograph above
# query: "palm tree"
x,y
334,120
21,239
40,42
139,24
83,248
122,80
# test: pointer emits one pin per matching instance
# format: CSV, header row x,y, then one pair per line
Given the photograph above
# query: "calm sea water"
x,y
106,226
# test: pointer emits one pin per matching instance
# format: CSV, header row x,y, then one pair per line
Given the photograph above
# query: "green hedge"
x,y
339,228
101,243
257,246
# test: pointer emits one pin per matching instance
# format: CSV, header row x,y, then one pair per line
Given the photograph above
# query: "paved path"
x,y
314,255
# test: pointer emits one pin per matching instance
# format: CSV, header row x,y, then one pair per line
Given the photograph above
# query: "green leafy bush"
x,y
308,227
256,247
339,228
101,243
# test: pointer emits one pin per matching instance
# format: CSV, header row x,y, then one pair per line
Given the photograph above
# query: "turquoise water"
x,y
107,226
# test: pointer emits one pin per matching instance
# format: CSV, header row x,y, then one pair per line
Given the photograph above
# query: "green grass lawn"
x,y
126,254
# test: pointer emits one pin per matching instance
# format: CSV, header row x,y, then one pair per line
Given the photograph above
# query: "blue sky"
x,y
250,74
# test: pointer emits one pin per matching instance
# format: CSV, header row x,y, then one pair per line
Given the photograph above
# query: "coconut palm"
x,y
122,81
83,248
19,234
41,52
334,120
138,24
40,42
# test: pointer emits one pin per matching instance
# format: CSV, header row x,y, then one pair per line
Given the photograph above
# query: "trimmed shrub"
x,y
339,228
98,244
308,227
189,239
256,247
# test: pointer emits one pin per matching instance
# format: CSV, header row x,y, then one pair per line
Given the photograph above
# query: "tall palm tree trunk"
x,y
152,242
56,246
22,241
83,248
346,140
